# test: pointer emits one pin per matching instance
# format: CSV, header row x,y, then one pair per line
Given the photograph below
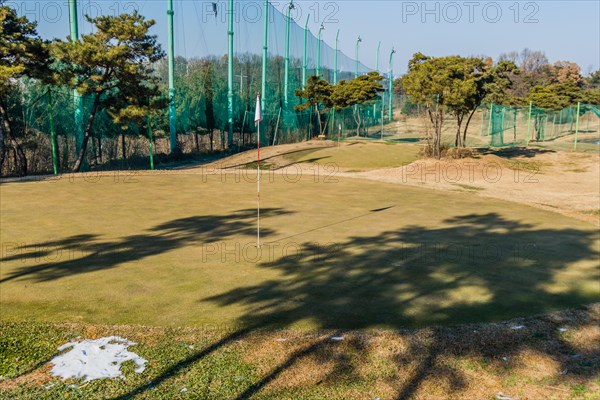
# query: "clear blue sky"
x,y
564,30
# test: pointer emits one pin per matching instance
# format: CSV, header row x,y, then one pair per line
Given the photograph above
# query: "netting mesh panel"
x,y
201,88
495,125
201,74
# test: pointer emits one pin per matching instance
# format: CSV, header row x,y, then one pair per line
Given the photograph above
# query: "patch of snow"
x,y
183,390
518,327
96,359
336,338
501,396
505,358
562,329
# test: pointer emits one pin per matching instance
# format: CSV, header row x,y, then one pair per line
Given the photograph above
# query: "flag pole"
x,y
257,120
258,193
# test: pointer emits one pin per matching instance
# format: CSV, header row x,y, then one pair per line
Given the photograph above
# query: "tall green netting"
x,y
496,125
47,117
201,88
553,128
201,75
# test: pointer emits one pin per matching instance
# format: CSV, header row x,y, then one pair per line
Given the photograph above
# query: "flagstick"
x,y
258,192
257,120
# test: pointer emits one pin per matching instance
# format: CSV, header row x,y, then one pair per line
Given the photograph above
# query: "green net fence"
x,y
494,125
45,115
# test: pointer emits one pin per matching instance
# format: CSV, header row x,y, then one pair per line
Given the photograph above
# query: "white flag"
x,y
258,114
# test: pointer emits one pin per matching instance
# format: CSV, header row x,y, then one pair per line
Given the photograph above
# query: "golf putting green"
x,y
180,250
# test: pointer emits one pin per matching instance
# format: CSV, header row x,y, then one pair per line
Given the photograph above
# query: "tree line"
x,y
120,73
457,86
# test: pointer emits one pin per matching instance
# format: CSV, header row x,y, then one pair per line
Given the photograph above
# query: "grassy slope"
x,y
178,250
360,155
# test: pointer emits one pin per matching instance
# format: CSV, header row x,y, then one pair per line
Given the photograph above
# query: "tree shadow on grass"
x,y
472,268
516,152
475,268
88,253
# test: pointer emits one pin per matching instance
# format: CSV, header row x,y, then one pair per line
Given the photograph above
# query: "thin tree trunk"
x,y
86,135
99,141
2,149
438,134
21,165
356,114
15,160
123,150
65,153
457,141
467,126
319,119
461,142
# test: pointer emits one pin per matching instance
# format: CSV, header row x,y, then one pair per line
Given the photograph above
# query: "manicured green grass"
x,y
360,155
179,250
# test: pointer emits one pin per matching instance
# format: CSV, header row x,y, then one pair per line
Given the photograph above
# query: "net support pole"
x,y
77,99
529,122
264,59
151,141
335,75
489,128
514,125
319,51
335,58
52,133
482,123
559,122
377,69
230,73
356,109
286,88
382,109
391,88
577,126
305,61
357,45
171,62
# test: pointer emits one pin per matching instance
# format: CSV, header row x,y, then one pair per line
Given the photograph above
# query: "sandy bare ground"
x,y
568,183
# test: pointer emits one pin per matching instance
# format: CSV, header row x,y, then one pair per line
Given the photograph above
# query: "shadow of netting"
x,y
87,253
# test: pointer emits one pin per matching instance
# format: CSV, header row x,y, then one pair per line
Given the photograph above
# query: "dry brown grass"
x,y
477,361
563,182
467,362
